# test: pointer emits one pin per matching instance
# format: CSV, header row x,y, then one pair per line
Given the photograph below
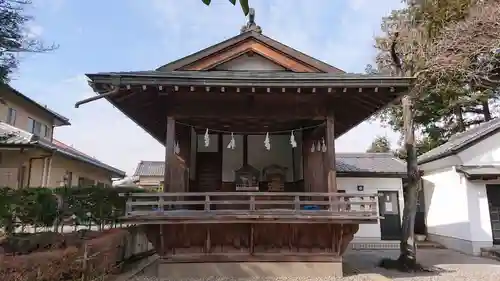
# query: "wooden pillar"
x,y
169,152
330,151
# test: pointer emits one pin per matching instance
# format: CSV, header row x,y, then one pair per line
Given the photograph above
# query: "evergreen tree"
x,y
14,36
380,144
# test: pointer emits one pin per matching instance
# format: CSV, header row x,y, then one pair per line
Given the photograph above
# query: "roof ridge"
x,y
483,125
238,39
72,148
461,140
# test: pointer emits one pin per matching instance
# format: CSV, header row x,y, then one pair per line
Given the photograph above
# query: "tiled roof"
x,y
269,78
10,135
370,163
14,136
150,168
472,171
461,141
383,163
76,154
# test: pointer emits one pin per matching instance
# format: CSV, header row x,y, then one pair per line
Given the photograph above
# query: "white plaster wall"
x,y
371,232
486,152
446,198
457,211
255,63
443,163
479,214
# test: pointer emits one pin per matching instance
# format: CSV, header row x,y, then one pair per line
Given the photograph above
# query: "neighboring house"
x,y
30,156
462,189
367,173
149,174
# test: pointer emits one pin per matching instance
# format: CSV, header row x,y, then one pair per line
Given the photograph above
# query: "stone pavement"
x,y
362,266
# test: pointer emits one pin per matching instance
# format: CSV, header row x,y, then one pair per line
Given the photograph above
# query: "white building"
x,y
462,189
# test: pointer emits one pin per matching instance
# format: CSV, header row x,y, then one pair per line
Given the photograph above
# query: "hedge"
x,y
45,207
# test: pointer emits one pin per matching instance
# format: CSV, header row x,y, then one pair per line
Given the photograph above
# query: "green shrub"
x,y
40,206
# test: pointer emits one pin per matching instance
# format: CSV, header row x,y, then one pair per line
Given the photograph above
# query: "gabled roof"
x,y
374,164
255,78
461,141
479,172
62,120
264,47
150,168
12,136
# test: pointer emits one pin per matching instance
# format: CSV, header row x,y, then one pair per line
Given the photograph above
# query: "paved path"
x,y
456,266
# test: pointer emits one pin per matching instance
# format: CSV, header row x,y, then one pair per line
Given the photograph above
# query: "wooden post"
x,y
85,260
330,150
169,152
208,243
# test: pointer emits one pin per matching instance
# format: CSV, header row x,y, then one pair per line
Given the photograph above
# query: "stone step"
x,y
491,252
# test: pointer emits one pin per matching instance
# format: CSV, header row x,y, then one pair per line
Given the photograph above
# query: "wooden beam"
x,y
254,46
330,151
243,110
245,150
169,152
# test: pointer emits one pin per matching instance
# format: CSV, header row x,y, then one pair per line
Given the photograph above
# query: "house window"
x,y
11,116
68,179
85,182
45,132
34,127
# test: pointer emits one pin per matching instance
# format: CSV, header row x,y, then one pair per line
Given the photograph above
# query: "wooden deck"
x,y
250,207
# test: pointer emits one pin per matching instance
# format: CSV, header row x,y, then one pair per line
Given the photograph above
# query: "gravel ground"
x,y
453,266
350,278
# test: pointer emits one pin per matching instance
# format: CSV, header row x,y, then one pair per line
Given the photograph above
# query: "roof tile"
x,y
10,135
460,141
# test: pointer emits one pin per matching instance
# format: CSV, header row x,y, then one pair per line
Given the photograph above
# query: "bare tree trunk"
x,y
408,254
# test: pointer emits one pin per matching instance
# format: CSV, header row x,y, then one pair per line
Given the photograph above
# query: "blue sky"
x,y
121,35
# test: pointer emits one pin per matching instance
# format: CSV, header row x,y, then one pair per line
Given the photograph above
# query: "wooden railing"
x,y
252,205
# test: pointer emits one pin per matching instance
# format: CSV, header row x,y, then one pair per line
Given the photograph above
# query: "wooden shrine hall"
x,y
249,126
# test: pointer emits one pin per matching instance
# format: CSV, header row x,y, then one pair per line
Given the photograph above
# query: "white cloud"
x,y
343,38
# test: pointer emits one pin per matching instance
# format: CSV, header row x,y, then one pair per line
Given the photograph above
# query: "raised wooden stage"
x,y
250,226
